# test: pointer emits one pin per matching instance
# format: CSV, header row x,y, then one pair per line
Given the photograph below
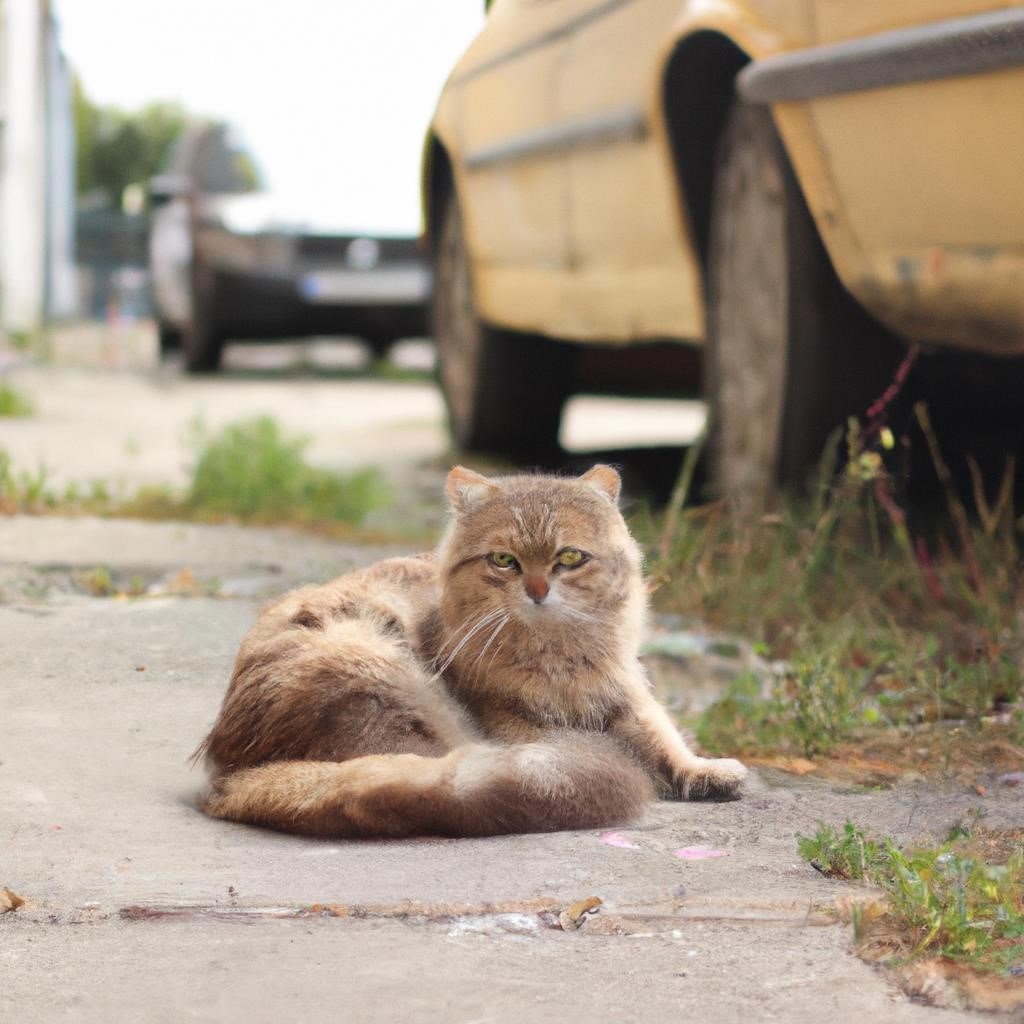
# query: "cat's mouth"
x,y
552,610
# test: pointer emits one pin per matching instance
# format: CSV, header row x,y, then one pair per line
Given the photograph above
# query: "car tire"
x,y
169,338
790,354
504,390
379,345
203,339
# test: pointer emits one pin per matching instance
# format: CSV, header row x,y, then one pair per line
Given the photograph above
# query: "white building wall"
x,y
61,298
36,160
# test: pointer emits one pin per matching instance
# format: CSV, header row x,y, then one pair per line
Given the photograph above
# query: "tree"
x,y
116,148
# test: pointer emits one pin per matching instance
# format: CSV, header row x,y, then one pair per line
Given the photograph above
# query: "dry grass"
x,y
871,619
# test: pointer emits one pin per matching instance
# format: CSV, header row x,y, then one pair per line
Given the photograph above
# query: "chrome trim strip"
x,y
958,46
624,124
551,36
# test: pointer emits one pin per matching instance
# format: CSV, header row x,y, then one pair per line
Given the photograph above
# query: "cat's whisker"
x,y
494,654
502,623
469,625
482,623
575,613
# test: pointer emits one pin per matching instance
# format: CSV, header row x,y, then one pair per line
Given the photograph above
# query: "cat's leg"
x,y
647,731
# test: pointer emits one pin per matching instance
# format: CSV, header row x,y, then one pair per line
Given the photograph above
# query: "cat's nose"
x,y
537,588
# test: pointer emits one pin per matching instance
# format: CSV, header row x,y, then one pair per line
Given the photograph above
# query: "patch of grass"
x,y
939,901
98,582
252,471
248,471
23,490
13,402
32,491
849,855
869,618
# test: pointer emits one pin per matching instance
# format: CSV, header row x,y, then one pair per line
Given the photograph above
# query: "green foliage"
x,y
850,855
943,901
865,622
117,148
13,402
24,490
250,470
98,582
742,720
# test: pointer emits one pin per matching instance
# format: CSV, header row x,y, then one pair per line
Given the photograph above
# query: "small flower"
x,y
867,466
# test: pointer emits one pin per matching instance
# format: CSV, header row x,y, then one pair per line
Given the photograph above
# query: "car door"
x,y
633,277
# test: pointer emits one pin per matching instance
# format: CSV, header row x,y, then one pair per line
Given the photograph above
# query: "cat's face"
x,y
543,554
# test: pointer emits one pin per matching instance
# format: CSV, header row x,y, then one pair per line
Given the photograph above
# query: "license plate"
x,y
380,286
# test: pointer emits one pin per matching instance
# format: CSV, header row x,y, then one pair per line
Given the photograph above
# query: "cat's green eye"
x,y
571,557
503,560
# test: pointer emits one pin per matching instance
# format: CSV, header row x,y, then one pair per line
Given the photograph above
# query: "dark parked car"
x,y
228,261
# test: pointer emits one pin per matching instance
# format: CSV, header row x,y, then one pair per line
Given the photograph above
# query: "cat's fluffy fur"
x,y
451,695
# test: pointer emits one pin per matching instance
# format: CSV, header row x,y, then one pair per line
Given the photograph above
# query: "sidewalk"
x,y
139,908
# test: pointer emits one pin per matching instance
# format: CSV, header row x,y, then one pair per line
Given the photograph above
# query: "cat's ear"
x,y
466,488
605,480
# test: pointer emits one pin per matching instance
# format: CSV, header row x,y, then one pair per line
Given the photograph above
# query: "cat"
x,y
492,687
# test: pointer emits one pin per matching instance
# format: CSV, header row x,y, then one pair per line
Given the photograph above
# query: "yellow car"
x,y
789,187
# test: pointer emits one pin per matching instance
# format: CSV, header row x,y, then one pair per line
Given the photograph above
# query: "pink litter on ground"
x,y
1012,778
618,839
699,853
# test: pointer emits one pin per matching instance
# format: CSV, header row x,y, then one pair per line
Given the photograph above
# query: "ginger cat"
x,y
492,687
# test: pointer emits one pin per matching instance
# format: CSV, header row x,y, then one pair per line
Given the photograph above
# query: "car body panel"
x,y
576,224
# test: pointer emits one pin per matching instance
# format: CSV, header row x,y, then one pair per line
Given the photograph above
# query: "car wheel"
x,y
790,354
203,338
504,390
169,338
379,345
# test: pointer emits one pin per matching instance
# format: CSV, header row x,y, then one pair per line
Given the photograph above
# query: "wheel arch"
x,y
698,86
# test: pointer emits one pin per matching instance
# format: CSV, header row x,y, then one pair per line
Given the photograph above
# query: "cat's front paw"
x,y
710,778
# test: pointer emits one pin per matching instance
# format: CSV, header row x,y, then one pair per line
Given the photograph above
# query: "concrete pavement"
x,y
139,908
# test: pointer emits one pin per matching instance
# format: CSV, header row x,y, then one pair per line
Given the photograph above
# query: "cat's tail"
x,y
479,790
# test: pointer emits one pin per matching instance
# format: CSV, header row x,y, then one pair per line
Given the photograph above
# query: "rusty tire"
x,y
790,354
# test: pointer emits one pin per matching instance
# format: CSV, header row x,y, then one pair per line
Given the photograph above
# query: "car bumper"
x,y
375,303
380,286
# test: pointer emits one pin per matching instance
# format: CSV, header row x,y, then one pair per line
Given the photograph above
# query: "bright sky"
x,y
333,96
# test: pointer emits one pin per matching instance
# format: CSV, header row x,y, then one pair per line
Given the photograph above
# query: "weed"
x,y
945,901
872,621
250,470
24,490
851,855
13,402
98,582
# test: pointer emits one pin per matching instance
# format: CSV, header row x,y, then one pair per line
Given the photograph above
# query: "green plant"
x,y
252,471
13,402
24,490
941,901
98,582
868,621
849,855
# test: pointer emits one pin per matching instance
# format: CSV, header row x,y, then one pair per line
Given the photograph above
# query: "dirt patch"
x,y
979,756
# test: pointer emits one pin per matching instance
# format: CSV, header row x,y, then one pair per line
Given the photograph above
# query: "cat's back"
x,y
394,594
